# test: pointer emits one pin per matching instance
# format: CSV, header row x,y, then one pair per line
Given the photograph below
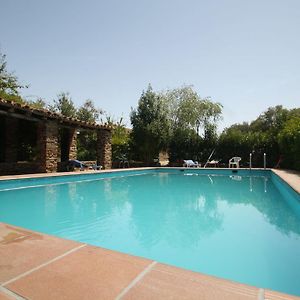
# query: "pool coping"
x,y
148,279
291,177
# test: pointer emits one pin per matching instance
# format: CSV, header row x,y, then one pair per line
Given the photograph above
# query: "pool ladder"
x,y
265,160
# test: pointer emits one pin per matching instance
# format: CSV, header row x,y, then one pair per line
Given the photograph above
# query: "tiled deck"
x,y
290,177
39,266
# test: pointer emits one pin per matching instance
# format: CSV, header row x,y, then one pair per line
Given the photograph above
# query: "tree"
x,y
186,109
64,105
9,84
180,105
274,132
150,126
39,103
272,119
289,141
193,123
120,140
88,112
269,124
87,140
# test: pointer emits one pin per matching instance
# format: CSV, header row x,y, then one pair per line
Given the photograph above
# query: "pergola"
x,y
51,148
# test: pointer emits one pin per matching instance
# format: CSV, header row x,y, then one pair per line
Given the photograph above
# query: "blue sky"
x,y
244,54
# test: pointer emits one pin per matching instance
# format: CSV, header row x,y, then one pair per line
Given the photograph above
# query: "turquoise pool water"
x,y
241,226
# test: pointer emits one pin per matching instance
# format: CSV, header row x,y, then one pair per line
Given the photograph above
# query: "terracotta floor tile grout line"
x,y
261,294
138,278
208,282
11,293
23,237
43,265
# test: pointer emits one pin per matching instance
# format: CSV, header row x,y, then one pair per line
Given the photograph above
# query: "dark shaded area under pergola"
x,y
36,140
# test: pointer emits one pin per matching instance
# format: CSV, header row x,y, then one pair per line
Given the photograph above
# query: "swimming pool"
x,y
243,226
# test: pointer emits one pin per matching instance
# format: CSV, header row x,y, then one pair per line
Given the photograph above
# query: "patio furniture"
x,y
210,156
95,167
212,163
123,162
234,162
191,164
74,163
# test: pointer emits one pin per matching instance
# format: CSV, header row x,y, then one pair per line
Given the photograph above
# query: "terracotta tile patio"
x,y
39,266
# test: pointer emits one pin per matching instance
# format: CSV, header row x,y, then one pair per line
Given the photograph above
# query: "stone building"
x,y
37,140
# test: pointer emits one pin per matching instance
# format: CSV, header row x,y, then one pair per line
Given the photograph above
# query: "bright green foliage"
x,y
289,140
11,97
39,103
185,144
87,140
8,81
235,141
87,145
181,105
150,126
187,110
88,112
271,120
120,141
64,105
177,120
9,85
193,123
271,133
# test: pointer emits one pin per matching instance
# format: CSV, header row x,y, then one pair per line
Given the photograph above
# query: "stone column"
x,y
47,137
104,148
11,139
73,143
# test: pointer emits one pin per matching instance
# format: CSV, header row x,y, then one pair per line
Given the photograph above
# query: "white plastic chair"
x,y
234,162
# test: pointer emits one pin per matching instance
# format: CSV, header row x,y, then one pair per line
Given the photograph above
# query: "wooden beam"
x,y
19,116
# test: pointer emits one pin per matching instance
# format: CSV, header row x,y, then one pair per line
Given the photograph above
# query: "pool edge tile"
x,y
89,273
273,295
22,250
168,282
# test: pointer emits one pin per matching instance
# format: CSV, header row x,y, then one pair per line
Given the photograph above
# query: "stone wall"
x,y
104,152
14,168
48,147
73,143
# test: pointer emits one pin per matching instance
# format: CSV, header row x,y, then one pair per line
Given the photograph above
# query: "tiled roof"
x,y
14,108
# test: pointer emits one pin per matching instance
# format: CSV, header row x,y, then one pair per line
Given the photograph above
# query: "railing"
x,y
265,161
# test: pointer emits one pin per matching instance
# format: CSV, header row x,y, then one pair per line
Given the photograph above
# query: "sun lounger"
x,y
77,164
191,164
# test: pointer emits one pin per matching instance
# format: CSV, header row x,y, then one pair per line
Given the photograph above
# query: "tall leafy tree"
x,y
193,122
88,112
150,126
120,140
9,83
64,105
86,141
188,110
274,132
289,142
